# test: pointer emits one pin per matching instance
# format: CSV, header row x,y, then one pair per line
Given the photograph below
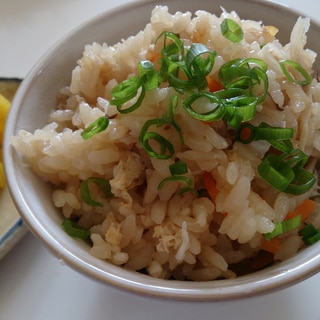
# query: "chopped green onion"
x,y
295,158
231,30
128,95
285,146
240,109
166,149
180,79
149,75
173,51
310,234
188,71
213,108
302,73
188,189
186,180
232,105
95,127
248,133
236,77
128,89
178,168
182,179
74,230
308,231
125,91
303,182
286,176
284,226
246,74
103,184
276,172
196,63
173,48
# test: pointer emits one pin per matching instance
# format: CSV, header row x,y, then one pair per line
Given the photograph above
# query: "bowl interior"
x,y
32,196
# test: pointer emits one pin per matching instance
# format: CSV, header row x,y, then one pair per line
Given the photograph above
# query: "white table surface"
x,y
34,284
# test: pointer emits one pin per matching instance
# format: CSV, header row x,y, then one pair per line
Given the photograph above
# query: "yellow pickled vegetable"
x,y
2,176
4,108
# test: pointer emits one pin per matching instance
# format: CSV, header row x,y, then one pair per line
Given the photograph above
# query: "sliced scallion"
x,y
238,110
155,144
285,146
179,178
231,30
164,149
295,158
297,74
247,74
74,230
276,172
95,127
302,182
248,133
148,74
199,60
178,168
284,226
172,51
85,192
128,89
125,90
310,234
213,110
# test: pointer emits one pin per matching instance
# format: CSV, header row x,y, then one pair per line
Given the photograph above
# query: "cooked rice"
x,y
160,232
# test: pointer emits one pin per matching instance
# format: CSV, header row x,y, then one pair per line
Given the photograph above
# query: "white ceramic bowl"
x,y
37,96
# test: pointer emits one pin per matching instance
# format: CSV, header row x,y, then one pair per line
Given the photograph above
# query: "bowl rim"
x,y
278,276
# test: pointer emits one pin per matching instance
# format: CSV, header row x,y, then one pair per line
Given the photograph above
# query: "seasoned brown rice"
x,y
161,232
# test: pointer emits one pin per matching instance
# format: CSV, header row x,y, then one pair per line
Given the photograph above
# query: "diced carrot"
x,y
210,185
245,133
271,246
305,208
213,84
155,57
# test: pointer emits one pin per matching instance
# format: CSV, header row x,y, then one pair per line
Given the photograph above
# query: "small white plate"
x,y
12,228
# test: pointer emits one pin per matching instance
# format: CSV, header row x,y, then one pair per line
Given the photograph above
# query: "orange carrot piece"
x,y
210,185
245,133
305,208
155,57
213,84
271,246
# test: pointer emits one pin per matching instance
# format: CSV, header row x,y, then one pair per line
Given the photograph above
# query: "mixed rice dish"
x,y
190,150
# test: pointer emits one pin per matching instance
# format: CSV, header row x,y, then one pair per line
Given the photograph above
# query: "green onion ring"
x,y
195,63
74,230
149,76
303,182
179,178
276,172
95,127
284,64
85,193
231,30
284,226
216,113
178,168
